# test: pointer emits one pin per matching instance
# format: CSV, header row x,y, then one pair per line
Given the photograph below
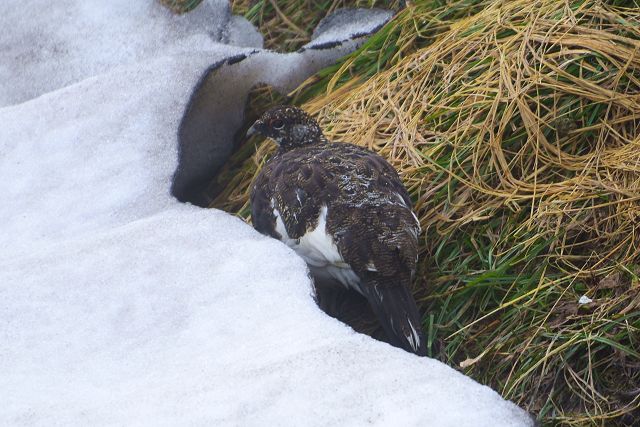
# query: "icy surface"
x,y
346,24
120,305
64,41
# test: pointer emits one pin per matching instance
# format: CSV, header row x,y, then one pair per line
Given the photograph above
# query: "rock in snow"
x,y
121,305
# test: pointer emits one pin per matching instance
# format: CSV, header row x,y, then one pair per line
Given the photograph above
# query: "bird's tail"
x,y
398,314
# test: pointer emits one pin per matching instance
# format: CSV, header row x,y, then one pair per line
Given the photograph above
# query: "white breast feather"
x,y
318,246
318,249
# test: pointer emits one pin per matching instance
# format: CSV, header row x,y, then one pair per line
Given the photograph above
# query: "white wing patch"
x,y
402,202
412,213
280,228
319,250
413,337
417,221
318,247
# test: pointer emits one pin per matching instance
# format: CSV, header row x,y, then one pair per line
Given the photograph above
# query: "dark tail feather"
x,y
398,314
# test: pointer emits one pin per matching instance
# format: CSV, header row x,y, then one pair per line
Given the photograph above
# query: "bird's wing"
x,y
262,214
381,246
368,217
371,164
296,185
380,238
376,233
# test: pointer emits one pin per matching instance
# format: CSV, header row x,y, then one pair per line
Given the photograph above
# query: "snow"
x,y
347,24
584,300
208,128
120,305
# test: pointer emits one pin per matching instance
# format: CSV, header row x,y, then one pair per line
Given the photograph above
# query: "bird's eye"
x,y
277,124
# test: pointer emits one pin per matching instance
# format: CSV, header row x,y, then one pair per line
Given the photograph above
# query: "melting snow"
x,y
584,300
120,305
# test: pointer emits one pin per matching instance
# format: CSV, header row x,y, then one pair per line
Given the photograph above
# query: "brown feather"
x,y
368,211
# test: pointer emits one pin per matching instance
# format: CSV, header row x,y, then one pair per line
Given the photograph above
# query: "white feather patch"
x,y
413,338
318,247
319,250
401,200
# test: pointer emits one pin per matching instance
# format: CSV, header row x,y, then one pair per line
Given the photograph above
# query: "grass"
x,y
515,127
285,24
288,24
181,6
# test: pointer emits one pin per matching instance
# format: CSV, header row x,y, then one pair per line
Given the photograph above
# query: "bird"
x,y
346,212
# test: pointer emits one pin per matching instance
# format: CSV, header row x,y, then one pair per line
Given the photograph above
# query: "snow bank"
x,y
120,305
47,45
216,109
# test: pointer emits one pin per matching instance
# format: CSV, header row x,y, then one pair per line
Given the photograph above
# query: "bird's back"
x,y
357,186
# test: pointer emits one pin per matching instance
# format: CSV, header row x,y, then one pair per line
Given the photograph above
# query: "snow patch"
x,y
216,109
122,306
347,24
584,300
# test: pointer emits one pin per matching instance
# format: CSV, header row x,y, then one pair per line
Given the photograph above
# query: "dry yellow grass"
x,y
181,6
285,24
516,130
288,24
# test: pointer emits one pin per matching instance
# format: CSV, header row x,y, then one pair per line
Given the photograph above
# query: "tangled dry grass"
x,y
515,126
181,6
285,24
288,24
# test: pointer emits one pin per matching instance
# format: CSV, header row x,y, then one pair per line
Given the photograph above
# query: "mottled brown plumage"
x,y
345,211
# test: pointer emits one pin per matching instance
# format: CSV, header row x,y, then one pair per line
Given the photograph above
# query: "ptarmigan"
x,y
345,211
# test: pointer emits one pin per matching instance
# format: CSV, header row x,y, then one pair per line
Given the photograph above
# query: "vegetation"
x,y
515,126
181,6
285,24
288,24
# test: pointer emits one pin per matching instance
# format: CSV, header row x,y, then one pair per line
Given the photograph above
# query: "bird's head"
x,y
290,127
